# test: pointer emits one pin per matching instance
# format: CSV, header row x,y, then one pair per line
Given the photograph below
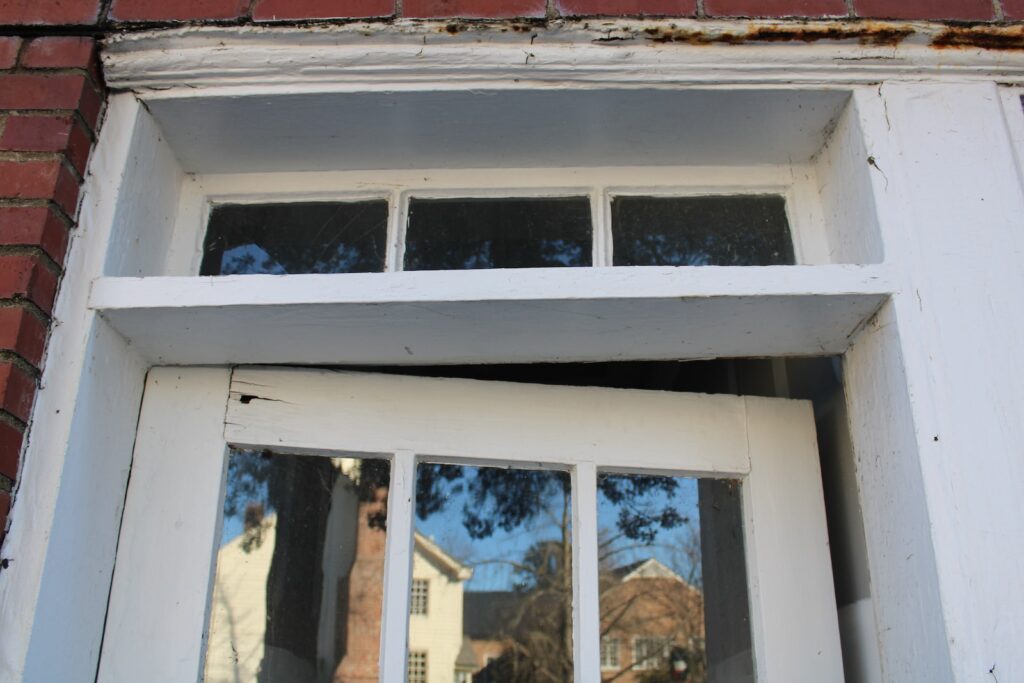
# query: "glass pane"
x,y
299,582
701,231
466,234
673,580
494,546
321,237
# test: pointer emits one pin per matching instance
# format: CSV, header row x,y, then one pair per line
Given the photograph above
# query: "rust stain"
x,y
981,36
868,33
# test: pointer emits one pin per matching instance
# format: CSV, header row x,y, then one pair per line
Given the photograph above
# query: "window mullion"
x,y
393,261
586,609
397,568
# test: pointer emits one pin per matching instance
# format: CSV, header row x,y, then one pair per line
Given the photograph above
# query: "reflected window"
x,y
610,653
515,232
672,577
496,543
417,671
701,231
301,237
418,598
299,575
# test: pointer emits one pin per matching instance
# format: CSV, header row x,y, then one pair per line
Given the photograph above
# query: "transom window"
x,y
470,233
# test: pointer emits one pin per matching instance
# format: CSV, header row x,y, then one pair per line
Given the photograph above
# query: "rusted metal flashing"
x,y
867,33
981,36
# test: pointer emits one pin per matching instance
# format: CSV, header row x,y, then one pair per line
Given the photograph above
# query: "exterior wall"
x,y
51,94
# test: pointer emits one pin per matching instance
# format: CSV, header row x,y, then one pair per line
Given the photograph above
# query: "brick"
x,y
51,12
621,8
22,332
61,134
965,10
1013,9
473,9
775,8
39,179
26,277
10,449
177,10
271,10
46,91
17,389
59,52
9,46
35,226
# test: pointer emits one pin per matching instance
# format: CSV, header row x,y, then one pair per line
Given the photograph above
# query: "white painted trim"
x,y
665,431
394,630
789,568
169,542
406,55
423,317
83,408
586,617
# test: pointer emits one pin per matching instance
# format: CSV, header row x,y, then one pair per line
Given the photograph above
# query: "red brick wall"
x,y
50,100
51,94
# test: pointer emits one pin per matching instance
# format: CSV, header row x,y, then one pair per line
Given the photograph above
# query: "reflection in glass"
x,y
701,231
494,546
299,581
303,237
518,232
672,579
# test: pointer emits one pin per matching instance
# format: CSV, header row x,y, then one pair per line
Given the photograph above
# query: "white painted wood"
x,y
144,221
67,505
623,53
904,584
586,618
687,433
959,207
484,128
170,532
397,564
843,175
792,600
416,318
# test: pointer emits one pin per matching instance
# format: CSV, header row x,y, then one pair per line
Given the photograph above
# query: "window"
x,y
649,652
474,232
419,597
417,671
609,653
556,448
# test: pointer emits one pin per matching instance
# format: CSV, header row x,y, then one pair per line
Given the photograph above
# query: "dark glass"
x,y
673,584
521,232
701,231
320,237
299,582
495,547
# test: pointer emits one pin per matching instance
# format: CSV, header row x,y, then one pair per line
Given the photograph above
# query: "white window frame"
x,y
937,122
